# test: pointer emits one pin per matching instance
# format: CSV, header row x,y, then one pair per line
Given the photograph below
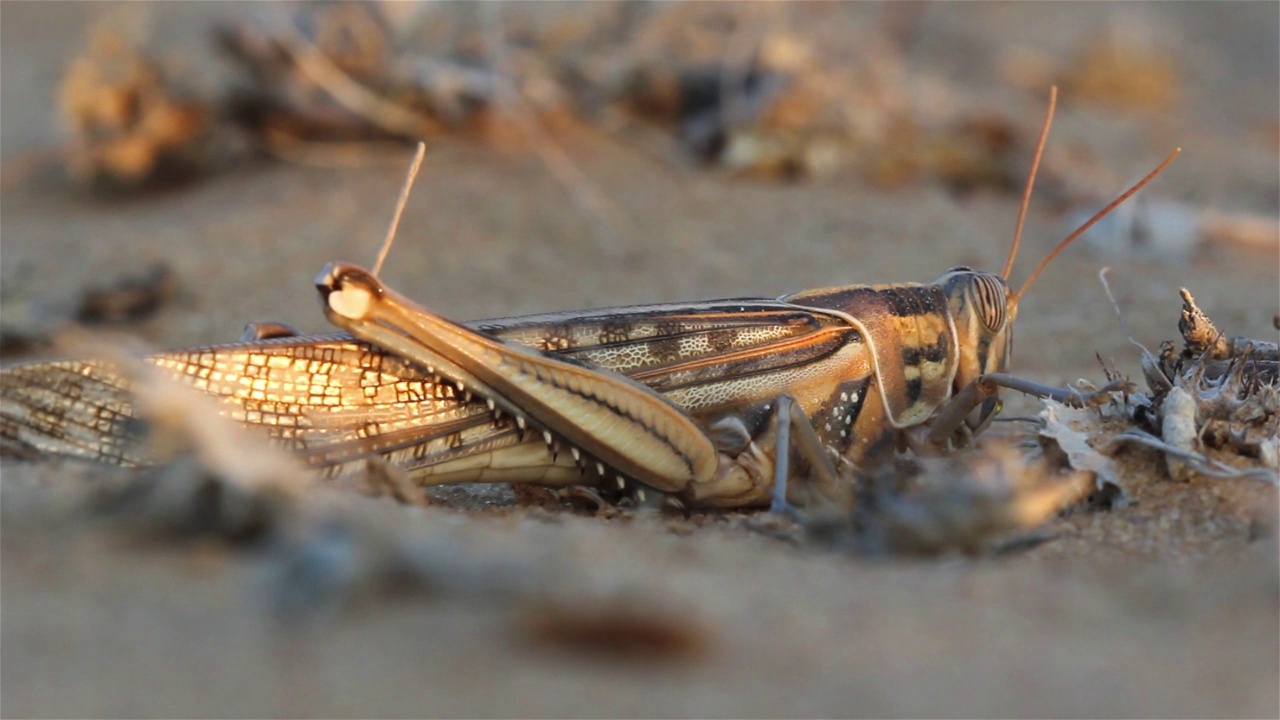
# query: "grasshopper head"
x,y
981,303
983,309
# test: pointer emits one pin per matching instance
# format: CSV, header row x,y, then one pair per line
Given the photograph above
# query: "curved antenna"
x,y
404,200
1101,214
1031,182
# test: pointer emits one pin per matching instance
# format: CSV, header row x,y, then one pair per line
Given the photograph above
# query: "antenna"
x,y
1031,181
404,200
1101,214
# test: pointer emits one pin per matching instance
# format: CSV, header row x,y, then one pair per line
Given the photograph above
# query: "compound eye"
x,y
990,297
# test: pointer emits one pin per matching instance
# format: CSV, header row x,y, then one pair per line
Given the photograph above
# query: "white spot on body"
x,y
351,302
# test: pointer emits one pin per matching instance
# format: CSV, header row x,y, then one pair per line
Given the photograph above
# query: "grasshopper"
x,y
713,404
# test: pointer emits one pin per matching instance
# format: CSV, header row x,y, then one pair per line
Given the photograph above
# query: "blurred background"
x,y
171,171
597,154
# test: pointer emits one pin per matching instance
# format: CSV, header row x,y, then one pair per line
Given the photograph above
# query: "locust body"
x,y
714,403
859,362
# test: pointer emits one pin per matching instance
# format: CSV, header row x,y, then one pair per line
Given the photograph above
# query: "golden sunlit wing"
x,y
335,400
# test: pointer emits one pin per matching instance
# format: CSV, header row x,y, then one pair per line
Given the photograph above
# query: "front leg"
x,y
951,418
626,426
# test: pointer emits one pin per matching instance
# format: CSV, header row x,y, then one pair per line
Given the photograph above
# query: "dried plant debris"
x,y
1213,410
343,75
1069,433
341,83
1225,399
1202,336
211,476
28,321
973,503
129,299
131,125
743,92
761,119
334,84
1125,70
34,323
740,91
992,496
730,85
982,151
1133,67
184,499
346,82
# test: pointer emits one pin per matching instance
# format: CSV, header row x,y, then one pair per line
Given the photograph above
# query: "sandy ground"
x,y
1168,607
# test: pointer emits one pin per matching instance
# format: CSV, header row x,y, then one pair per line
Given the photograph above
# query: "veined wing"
x,y
706,357
336,401
310,394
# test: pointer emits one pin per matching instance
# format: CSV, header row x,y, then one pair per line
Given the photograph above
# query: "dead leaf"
x,y
1072,428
